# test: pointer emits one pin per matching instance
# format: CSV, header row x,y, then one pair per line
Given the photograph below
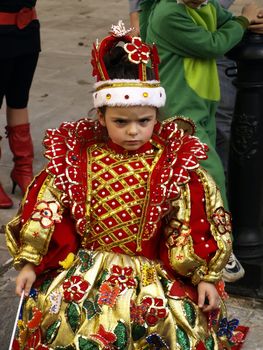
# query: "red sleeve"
x,y
31,197
64,240
204,243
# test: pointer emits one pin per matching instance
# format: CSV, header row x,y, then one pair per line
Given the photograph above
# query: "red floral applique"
x,y
137,51
222,221
75,288
47,213
155,310
123,277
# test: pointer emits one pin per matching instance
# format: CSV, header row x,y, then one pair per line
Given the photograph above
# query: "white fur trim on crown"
x,y
122,92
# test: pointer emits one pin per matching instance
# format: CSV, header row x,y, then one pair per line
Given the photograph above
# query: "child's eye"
x,y
144,121
120,121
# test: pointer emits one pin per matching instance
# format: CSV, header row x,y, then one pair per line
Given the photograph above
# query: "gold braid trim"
x,y
224,241
126,84
12,230
181,255
31,243
180,244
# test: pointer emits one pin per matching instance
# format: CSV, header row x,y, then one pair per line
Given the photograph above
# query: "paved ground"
x,y
62,91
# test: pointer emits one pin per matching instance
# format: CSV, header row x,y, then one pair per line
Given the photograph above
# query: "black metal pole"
x,y
245,176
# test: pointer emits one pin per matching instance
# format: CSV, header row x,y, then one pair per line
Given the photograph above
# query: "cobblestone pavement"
x,y
62,91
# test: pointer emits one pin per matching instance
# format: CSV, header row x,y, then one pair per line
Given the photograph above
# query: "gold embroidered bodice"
x,y
118,186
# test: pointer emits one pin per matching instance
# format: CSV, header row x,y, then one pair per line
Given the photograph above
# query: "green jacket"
x,y
188,41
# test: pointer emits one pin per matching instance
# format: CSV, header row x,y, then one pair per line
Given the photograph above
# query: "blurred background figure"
x,y
134,7
20,47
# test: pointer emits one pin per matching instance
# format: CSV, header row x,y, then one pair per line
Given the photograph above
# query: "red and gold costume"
x,y
120,240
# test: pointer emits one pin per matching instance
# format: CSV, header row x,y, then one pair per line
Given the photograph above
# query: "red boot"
x,y
21,145
5,201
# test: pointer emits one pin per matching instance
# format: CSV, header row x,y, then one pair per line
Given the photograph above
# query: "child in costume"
x,y
190,35
123,234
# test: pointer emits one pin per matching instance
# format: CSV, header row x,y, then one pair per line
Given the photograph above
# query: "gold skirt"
x,y
106,300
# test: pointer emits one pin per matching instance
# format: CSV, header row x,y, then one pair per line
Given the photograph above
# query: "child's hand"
x,y
207,291
251,11
257,26
25,279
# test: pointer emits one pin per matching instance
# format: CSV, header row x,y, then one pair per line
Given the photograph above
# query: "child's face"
x,y
193,3
129,127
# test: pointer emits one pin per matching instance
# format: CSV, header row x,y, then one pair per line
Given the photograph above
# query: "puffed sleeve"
x,y
43,232
197,236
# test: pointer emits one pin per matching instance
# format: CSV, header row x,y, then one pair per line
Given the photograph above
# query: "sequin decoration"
x,y
226,327
35,320
71,272
157,341
84,344
210,343
67,347
148,274
222,221
35,342
137,313
138,331
52,331
72,313
190,312
182,339
44,286
108,294
104,338
122,335
92,308
33,293
86,259
55,300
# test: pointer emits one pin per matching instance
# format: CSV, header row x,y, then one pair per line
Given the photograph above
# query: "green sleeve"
x,y
223,15
172,28
145,10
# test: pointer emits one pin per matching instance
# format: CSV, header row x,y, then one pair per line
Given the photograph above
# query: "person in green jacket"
x,y
190,35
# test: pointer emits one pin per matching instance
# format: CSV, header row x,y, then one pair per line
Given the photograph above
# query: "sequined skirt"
x,y
115,301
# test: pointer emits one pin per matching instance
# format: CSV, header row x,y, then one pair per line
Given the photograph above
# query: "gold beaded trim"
x,y
126,84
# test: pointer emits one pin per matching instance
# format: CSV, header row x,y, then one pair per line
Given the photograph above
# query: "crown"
x,y
126,92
